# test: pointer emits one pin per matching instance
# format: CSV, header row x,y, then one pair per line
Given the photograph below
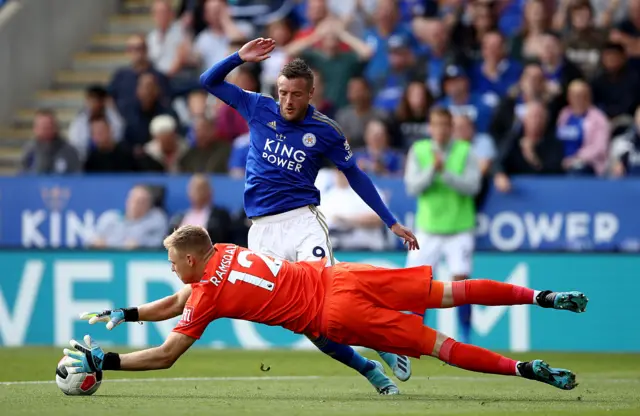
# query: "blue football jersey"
x,y
284,157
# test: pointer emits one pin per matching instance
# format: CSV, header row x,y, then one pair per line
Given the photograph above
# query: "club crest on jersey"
x,y
309,139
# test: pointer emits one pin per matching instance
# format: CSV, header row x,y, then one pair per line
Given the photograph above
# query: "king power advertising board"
x,y
42,292
539,214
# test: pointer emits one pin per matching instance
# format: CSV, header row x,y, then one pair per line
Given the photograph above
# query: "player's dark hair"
x,y
298,68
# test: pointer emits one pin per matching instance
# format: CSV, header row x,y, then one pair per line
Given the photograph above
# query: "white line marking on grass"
x,y
295,378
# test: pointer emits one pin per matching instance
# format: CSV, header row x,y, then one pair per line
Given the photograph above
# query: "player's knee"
x,y
447,295
442,346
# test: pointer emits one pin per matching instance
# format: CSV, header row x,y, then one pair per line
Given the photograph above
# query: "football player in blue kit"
x,y
288,140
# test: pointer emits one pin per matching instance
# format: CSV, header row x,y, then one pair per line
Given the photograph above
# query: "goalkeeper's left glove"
x,y
86,358
113,317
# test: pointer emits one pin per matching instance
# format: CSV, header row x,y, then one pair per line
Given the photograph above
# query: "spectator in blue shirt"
x,y
459,100
558,70
386,24
402,70
377,157
495,73
439,51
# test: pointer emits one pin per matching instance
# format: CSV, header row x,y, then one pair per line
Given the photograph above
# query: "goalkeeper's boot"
x,y
380,381
400,364
568,301
541,371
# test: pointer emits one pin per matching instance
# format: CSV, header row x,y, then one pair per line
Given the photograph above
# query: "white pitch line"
x,y
296,378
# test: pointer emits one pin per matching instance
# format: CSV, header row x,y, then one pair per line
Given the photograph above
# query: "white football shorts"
x,y
297,235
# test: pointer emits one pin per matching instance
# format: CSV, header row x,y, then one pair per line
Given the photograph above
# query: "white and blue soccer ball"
x,y
82,384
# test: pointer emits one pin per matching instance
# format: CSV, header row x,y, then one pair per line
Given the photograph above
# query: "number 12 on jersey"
x,y
273,265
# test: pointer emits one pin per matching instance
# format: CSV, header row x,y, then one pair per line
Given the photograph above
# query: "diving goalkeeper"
x,y
349,303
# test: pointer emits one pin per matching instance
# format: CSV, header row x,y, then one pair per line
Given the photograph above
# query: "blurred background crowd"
x,y
539,87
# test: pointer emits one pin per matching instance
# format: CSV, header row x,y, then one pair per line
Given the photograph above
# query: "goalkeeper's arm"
x,y
165,308
159,310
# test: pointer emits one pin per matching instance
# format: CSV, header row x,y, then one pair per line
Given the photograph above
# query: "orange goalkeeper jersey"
x,y
241,284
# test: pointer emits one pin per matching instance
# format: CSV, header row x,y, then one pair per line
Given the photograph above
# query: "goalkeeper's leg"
x,y
492,293
472,358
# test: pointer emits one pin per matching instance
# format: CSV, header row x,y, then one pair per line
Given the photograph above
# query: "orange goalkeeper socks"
x,y
490,293
472,358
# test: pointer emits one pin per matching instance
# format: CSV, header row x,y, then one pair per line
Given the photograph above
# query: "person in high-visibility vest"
x,y
444,176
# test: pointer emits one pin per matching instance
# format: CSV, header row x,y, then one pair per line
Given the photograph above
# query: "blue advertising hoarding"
x,y
539,214
42,292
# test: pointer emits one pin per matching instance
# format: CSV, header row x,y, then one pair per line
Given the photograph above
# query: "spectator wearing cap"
x,y
377,157
203,212
627,33
122,87
531,149
558,70
354,118
531,87
440,51
95,106
164,152
386,23
625,151
495,74
143,108
48,153
583,40
403,69
336,66
107,155
615,89
459,99
207,154
584,132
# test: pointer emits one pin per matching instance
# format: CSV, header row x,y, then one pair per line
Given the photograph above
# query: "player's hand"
x,y
87,358
257,50
407,236
113,318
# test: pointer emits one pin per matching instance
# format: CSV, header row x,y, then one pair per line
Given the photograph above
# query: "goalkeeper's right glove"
x,y
113,317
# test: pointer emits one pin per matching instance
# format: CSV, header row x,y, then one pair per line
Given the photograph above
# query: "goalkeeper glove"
x,y
86,358
113,317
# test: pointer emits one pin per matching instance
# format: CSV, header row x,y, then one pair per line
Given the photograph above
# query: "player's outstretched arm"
x,y
89,357
159,310
157,358
213,79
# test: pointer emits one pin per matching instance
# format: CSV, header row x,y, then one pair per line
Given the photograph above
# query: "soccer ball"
x,y
83,384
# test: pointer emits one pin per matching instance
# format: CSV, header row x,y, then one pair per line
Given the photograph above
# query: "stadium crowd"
x,y
537,86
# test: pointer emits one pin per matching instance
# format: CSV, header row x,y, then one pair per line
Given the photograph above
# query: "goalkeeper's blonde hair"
x,y
190,239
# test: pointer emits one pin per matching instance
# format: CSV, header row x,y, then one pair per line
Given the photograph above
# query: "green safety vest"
x,y
442,209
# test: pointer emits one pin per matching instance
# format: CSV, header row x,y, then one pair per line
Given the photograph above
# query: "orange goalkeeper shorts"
x,y
379,308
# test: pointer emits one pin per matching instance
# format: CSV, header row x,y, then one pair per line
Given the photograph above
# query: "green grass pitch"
x,y
221,382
